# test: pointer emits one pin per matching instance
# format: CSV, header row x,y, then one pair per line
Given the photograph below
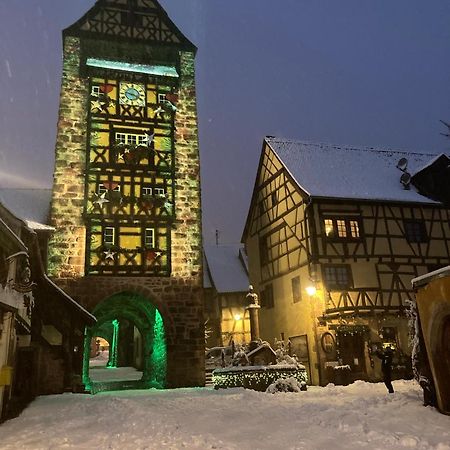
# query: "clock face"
x,y
132,94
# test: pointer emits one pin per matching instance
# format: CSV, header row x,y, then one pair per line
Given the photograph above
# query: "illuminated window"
x,y
296,291
329,229
149,237
130,138
95,91
415,231
160,191
342,228
108,236
337,277
354,228
146,190
162,98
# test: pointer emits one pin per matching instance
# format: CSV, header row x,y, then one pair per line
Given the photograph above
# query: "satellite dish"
x,y
402,164
405,179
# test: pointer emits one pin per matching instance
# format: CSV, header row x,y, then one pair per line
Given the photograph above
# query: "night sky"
x,y
362,72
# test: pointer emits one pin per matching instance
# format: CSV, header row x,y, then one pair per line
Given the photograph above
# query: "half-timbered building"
x,y
41,326
226,286
126,193
334,236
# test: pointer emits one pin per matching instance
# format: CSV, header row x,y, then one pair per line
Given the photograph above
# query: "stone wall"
x,y
180,303
179,298
66,248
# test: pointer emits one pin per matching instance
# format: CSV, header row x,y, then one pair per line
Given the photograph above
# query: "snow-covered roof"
x,y
348,172
30,205
426,278
225,268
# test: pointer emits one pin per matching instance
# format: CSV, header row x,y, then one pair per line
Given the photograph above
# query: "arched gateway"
x,y
126,193
134,330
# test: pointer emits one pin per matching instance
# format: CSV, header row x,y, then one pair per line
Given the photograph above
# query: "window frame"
x,y
266,297
296,289
152,234
410,233
337,286
348,221
105,235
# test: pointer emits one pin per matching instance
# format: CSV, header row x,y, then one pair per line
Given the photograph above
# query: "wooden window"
x,y
341,228
149,238
415,231
263,250
354,229
337,277
274,198
162,98
109,236
160,191
267,297
296,290
344,228
95,91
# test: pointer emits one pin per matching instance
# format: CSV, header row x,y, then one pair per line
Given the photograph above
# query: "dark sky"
x,y
363,72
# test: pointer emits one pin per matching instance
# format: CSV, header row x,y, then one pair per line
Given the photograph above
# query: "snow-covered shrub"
x,y
286,385
283,357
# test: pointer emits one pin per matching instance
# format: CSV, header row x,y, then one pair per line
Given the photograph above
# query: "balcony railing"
x,y
357,300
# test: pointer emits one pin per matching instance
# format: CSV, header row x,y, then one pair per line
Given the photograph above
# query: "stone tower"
x,y
126,194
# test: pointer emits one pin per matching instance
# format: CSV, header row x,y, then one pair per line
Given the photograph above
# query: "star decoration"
x,y
158,112
97,105
109,255
100,200
148,139
168,206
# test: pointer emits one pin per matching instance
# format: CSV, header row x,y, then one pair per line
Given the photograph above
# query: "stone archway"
x,y
127,315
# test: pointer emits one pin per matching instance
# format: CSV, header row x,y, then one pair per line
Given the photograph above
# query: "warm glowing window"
x,y
342,228
329,229
95,91
354,228
146,190
108,236
149,238
160,192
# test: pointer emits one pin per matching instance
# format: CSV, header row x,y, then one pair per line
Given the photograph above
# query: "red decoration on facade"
x,y
110,185
172,97
106,88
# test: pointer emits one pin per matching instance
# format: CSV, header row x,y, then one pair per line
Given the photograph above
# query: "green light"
x,y
158,358
112,362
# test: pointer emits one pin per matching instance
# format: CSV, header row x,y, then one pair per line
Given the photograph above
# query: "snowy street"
x,y
359,416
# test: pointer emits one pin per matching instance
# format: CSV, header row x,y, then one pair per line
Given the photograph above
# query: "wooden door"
x,y
351,351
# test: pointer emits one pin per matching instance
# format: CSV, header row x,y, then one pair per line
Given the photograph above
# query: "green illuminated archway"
x,y
132,309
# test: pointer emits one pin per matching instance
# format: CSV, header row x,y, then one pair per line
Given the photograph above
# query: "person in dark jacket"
x,y
386,367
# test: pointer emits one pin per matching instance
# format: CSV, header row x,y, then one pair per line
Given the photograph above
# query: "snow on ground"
x,y
359,416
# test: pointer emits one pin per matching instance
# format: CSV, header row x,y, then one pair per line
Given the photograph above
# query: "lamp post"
x,y
253,307
311,290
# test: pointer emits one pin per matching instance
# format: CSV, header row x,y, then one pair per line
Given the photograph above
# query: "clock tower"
x,y
126,194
